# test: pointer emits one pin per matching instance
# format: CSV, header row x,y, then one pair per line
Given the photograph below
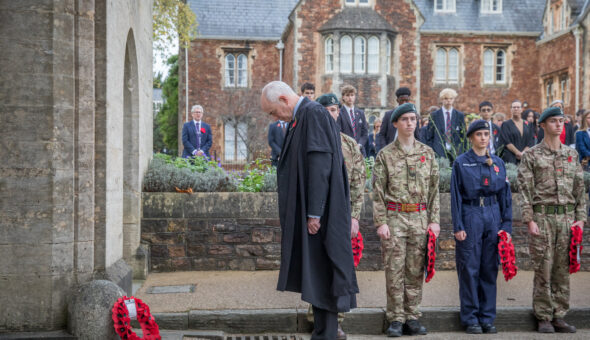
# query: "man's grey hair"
x,y
556,101
197,107
273,90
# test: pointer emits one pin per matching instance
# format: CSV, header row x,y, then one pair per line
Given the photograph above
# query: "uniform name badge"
x,y
412,170
485,181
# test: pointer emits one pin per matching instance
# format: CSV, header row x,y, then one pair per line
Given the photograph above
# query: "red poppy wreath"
x,y
122,320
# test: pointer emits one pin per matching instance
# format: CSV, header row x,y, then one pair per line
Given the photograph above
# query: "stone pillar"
x,y
47,152
336,79
383,71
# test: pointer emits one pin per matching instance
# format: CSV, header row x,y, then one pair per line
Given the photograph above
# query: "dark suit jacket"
x,y
275,140
370,147
435,133
583,144
496,138
362,127
189,138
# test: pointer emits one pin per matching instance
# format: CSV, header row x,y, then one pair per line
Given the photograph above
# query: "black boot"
x,y
394,329
473,329
413,327
488,328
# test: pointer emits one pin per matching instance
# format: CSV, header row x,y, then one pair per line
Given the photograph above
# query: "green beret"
x,y
400,110
328,99
550,112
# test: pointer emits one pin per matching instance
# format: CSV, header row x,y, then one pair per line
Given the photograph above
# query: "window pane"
x,y
488,66
373,60
388,59
242,71
439,4
230,142
500,66
229,70
364,1
359,55
453,65
441,64
346,54
329,48
350,1
450,5
241,139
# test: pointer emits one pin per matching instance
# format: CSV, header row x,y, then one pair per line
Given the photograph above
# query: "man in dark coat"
x,y
196,135
276,136
352,120
314,209
446,128
388,132
486,111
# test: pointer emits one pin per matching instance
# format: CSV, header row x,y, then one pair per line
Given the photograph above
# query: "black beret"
x,y
403,91
485,103
550,112
477,125
400,110
328,99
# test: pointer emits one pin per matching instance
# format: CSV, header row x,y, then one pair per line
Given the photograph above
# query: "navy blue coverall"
x,y
481,205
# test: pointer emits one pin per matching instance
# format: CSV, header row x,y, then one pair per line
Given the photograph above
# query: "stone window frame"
x,y
564,88
548,90
556,85
496,50
239,150
329,55
447,49
354,37
358,3
487,6
237,54
445,6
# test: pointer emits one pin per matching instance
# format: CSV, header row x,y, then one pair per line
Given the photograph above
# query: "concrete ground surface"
x,y
220,290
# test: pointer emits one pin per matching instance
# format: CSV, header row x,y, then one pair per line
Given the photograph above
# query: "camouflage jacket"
x,y
547,177
355,166
405,177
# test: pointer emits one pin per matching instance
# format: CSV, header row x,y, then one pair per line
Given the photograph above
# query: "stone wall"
x,y
241,231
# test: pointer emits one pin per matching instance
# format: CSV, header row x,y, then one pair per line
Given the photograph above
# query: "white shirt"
x,y
492,149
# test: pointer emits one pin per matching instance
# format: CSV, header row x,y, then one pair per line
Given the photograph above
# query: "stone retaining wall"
x,y
241,231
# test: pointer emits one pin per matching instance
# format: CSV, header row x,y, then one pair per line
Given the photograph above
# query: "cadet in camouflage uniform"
x,y
551,184
355,167
405,205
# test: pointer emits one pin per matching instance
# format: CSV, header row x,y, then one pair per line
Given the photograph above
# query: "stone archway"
x,y
131,173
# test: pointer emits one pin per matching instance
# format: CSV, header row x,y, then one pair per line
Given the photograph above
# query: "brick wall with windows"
x,y
498,69
557,71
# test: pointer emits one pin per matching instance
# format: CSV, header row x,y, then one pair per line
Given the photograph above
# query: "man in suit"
x,y
446,128
486,111
308,90
352,120
196,135
314,209
276,136
388,132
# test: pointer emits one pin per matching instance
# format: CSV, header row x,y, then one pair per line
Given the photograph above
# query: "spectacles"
x,y
515,107
486,110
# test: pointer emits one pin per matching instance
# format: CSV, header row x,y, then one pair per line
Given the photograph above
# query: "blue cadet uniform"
x,y
481,204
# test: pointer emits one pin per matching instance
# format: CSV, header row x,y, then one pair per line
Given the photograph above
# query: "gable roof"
x,y
358,19
517,17
242,19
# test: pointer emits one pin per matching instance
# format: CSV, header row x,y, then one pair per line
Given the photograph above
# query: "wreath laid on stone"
x,y
122,320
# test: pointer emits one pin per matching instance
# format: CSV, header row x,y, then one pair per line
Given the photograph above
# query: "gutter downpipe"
x,y
577,33
186,84
280,46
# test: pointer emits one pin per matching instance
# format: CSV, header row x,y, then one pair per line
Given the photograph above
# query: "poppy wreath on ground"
x,y
575,249
507,256
430,256
122,321
357,248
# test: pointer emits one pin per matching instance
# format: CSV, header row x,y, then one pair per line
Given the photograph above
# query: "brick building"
x,y
497,50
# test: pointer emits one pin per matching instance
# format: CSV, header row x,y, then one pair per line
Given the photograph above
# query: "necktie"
x,y
284,127
448,127
353,122
198,126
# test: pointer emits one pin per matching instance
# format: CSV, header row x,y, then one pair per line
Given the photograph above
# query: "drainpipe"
x,y
577,33
186,84
280,46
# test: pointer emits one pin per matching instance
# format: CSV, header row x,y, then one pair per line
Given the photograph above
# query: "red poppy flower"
x,y
496,169
569,159
495,132
422,159
203,130
294,123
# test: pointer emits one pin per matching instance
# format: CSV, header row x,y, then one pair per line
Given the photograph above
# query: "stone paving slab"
x,y
241,290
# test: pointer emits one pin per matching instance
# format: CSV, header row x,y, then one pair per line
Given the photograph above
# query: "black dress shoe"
x,y
488,328
394,329
473,329
413,327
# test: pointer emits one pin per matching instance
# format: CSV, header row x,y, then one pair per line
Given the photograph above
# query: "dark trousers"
x,y
477,265
325,325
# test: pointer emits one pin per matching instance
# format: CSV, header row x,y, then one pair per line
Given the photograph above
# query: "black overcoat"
x,y
318,266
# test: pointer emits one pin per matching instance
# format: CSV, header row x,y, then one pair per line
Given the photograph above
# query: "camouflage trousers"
x,y
403,258
310,315
550,257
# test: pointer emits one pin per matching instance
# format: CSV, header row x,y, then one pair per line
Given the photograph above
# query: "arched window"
x,y
388,59
500,66
346,54
359,55
441,65
488,66
242,71
447,65
373,55
453,75
230,69
329,55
